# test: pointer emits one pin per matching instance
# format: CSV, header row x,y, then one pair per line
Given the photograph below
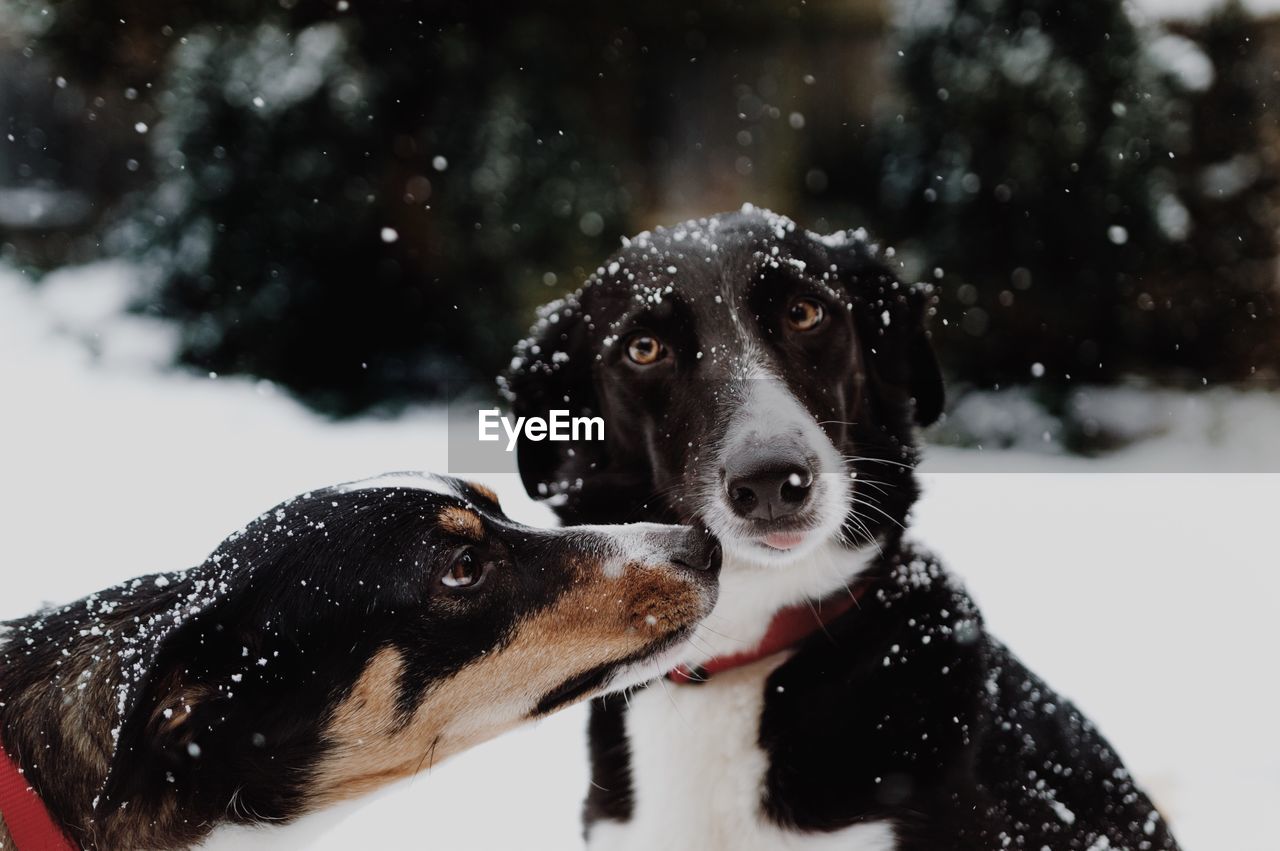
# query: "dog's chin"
x,y
783,544
652,668
774,550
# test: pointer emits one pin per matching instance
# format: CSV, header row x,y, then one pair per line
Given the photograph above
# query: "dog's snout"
x,y
697,551
768,487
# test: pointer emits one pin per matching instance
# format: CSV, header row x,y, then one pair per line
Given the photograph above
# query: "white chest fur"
x,y
697,774
752,592
697,769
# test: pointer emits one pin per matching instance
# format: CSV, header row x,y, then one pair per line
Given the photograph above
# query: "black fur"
x,y
610,794
905,710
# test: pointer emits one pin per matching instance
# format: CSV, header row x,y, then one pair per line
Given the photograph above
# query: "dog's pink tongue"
x,y
783,540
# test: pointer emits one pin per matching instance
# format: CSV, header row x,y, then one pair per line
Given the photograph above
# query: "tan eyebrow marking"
x,y
485,491
460,521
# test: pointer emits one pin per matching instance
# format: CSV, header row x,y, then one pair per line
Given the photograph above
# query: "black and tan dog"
x,y
347,638
766,382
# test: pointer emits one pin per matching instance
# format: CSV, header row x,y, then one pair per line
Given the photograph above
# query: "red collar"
x,y
29,823
788,628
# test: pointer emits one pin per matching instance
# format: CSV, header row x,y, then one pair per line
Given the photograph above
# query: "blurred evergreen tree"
x,y
1212,307
1033,160
361,201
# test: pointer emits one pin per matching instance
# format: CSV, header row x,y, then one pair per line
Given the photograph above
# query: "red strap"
x,y
788,628
29,823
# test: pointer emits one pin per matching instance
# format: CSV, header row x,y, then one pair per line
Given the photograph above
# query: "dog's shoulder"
x,y
1046,767
910,706
890,696
912,619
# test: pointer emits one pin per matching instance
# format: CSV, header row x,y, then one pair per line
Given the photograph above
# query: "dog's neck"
x,y
751,594
54,706
62,678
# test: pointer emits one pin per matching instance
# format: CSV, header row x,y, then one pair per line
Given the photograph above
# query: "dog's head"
x,y
753,377
357,634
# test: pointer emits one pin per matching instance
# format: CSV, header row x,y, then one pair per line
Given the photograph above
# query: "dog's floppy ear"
x,y
890,318
551,370
927,387
924,376
156,695
205,654
217,689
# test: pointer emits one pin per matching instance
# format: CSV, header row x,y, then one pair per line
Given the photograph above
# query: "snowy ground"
x,y
1147,598
1194,10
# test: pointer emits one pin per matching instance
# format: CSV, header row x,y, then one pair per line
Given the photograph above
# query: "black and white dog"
x,y
346,638
765,382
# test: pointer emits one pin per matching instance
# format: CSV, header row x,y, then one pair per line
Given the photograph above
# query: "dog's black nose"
x,y
699,551
768,488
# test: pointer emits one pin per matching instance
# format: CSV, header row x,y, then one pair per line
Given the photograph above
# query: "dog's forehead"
x,y
722,255
691,246
684,264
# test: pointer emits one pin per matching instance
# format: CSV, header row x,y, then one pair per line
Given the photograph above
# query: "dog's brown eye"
x,y
805,314
467,571
644,349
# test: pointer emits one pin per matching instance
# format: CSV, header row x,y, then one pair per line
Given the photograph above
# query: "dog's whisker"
x,y
870,499
702,645
430,753
662,680
868,458
847,584
726,637
879,485
859,523
817,616
861,526
895,521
